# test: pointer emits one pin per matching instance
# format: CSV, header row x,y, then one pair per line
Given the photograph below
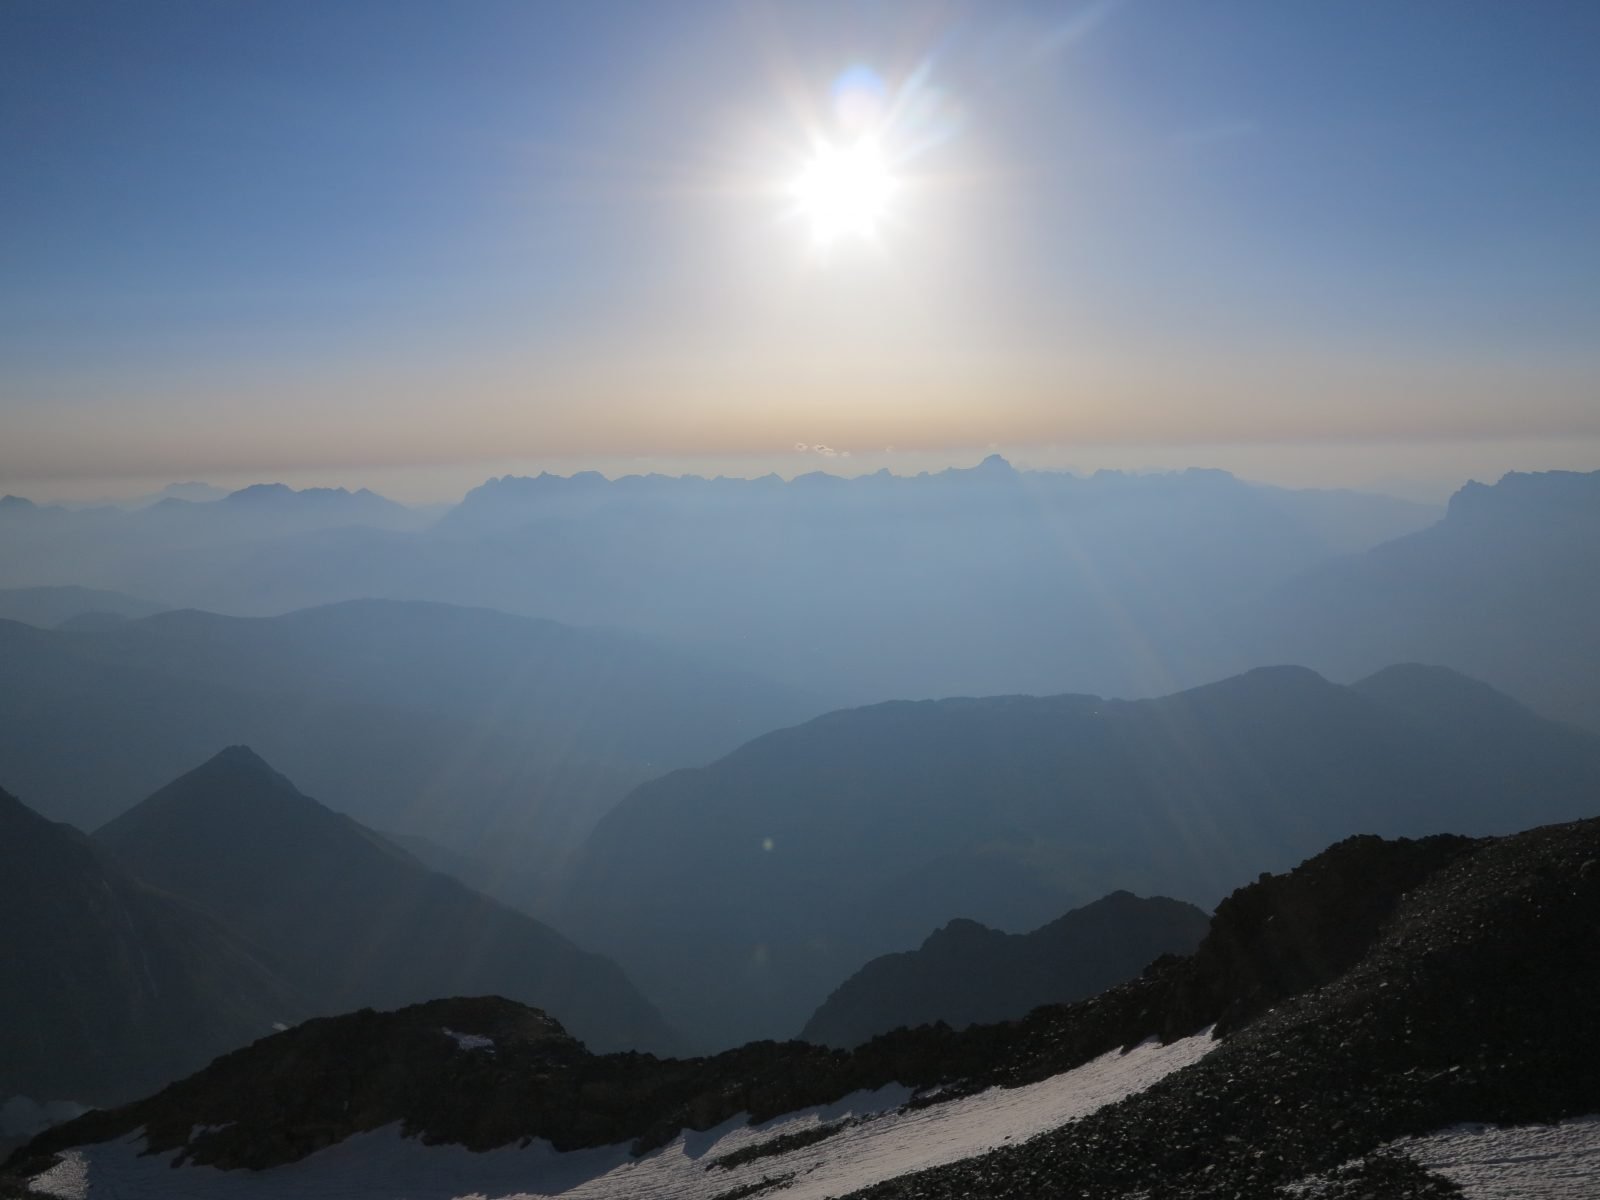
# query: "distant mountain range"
x,y
739,894
501,737
52,607
964,582
967,974
975,581
1505,589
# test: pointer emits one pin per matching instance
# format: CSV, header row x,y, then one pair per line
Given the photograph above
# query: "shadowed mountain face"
x,y
739,894
500,737
1505,588
108,988
962,582
967,974
349,918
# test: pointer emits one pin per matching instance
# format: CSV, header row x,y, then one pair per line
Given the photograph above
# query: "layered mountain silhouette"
x,y
49,607
738,895
500,737
348,918
1505,588
151,549
108,987
961,582
968,974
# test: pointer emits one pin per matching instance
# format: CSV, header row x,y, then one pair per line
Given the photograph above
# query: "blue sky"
x,y
263,238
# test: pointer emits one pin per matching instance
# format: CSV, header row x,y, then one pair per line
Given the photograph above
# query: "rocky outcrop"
x,y
1474,1003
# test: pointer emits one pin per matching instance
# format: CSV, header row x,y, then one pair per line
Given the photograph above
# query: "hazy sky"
x,y
354,240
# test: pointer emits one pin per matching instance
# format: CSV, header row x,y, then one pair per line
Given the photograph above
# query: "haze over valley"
x,y
725,600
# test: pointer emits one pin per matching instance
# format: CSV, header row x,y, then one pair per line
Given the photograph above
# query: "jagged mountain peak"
x,y
1519,495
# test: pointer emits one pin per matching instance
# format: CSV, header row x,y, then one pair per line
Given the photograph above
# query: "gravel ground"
x,y
1475,1004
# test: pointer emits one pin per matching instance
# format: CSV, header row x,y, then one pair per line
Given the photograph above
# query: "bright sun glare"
x,y
844,191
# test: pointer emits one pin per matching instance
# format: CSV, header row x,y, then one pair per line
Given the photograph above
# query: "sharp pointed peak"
x,y
238,756
237,764
232,782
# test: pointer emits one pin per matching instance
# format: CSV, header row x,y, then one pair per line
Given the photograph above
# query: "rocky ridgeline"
x,y
1475,1003
1381,988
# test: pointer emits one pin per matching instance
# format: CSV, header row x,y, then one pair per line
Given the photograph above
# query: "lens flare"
x,y
844,191
852,180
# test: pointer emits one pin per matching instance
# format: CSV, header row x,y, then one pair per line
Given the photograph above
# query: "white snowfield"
x,y
1551,1162
879,1142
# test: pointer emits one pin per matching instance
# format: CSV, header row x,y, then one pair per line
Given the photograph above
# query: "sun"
x,y
844,191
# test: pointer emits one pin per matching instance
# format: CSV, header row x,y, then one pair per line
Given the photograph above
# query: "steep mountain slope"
x,y
1379,990
108,988
500,737
1505,588
967,974
739,894
350,918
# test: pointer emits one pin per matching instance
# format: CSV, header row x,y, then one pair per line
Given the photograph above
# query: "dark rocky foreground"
x,y
1477,1002
1381,988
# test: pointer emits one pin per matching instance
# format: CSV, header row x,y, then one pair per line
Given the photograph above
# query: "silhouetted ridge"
x,y
965,973
1503,589
349,917
1520,496
373,704
241,760
1425,690
51,607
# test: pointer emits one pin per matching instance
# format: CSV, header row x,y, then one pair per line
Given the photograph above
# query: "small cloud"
x,y
801,447
825,451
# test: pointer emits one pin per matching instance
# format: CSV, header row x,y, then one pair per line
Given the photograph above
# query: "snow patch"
x,y
470,1041
881,1140
1555,1162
